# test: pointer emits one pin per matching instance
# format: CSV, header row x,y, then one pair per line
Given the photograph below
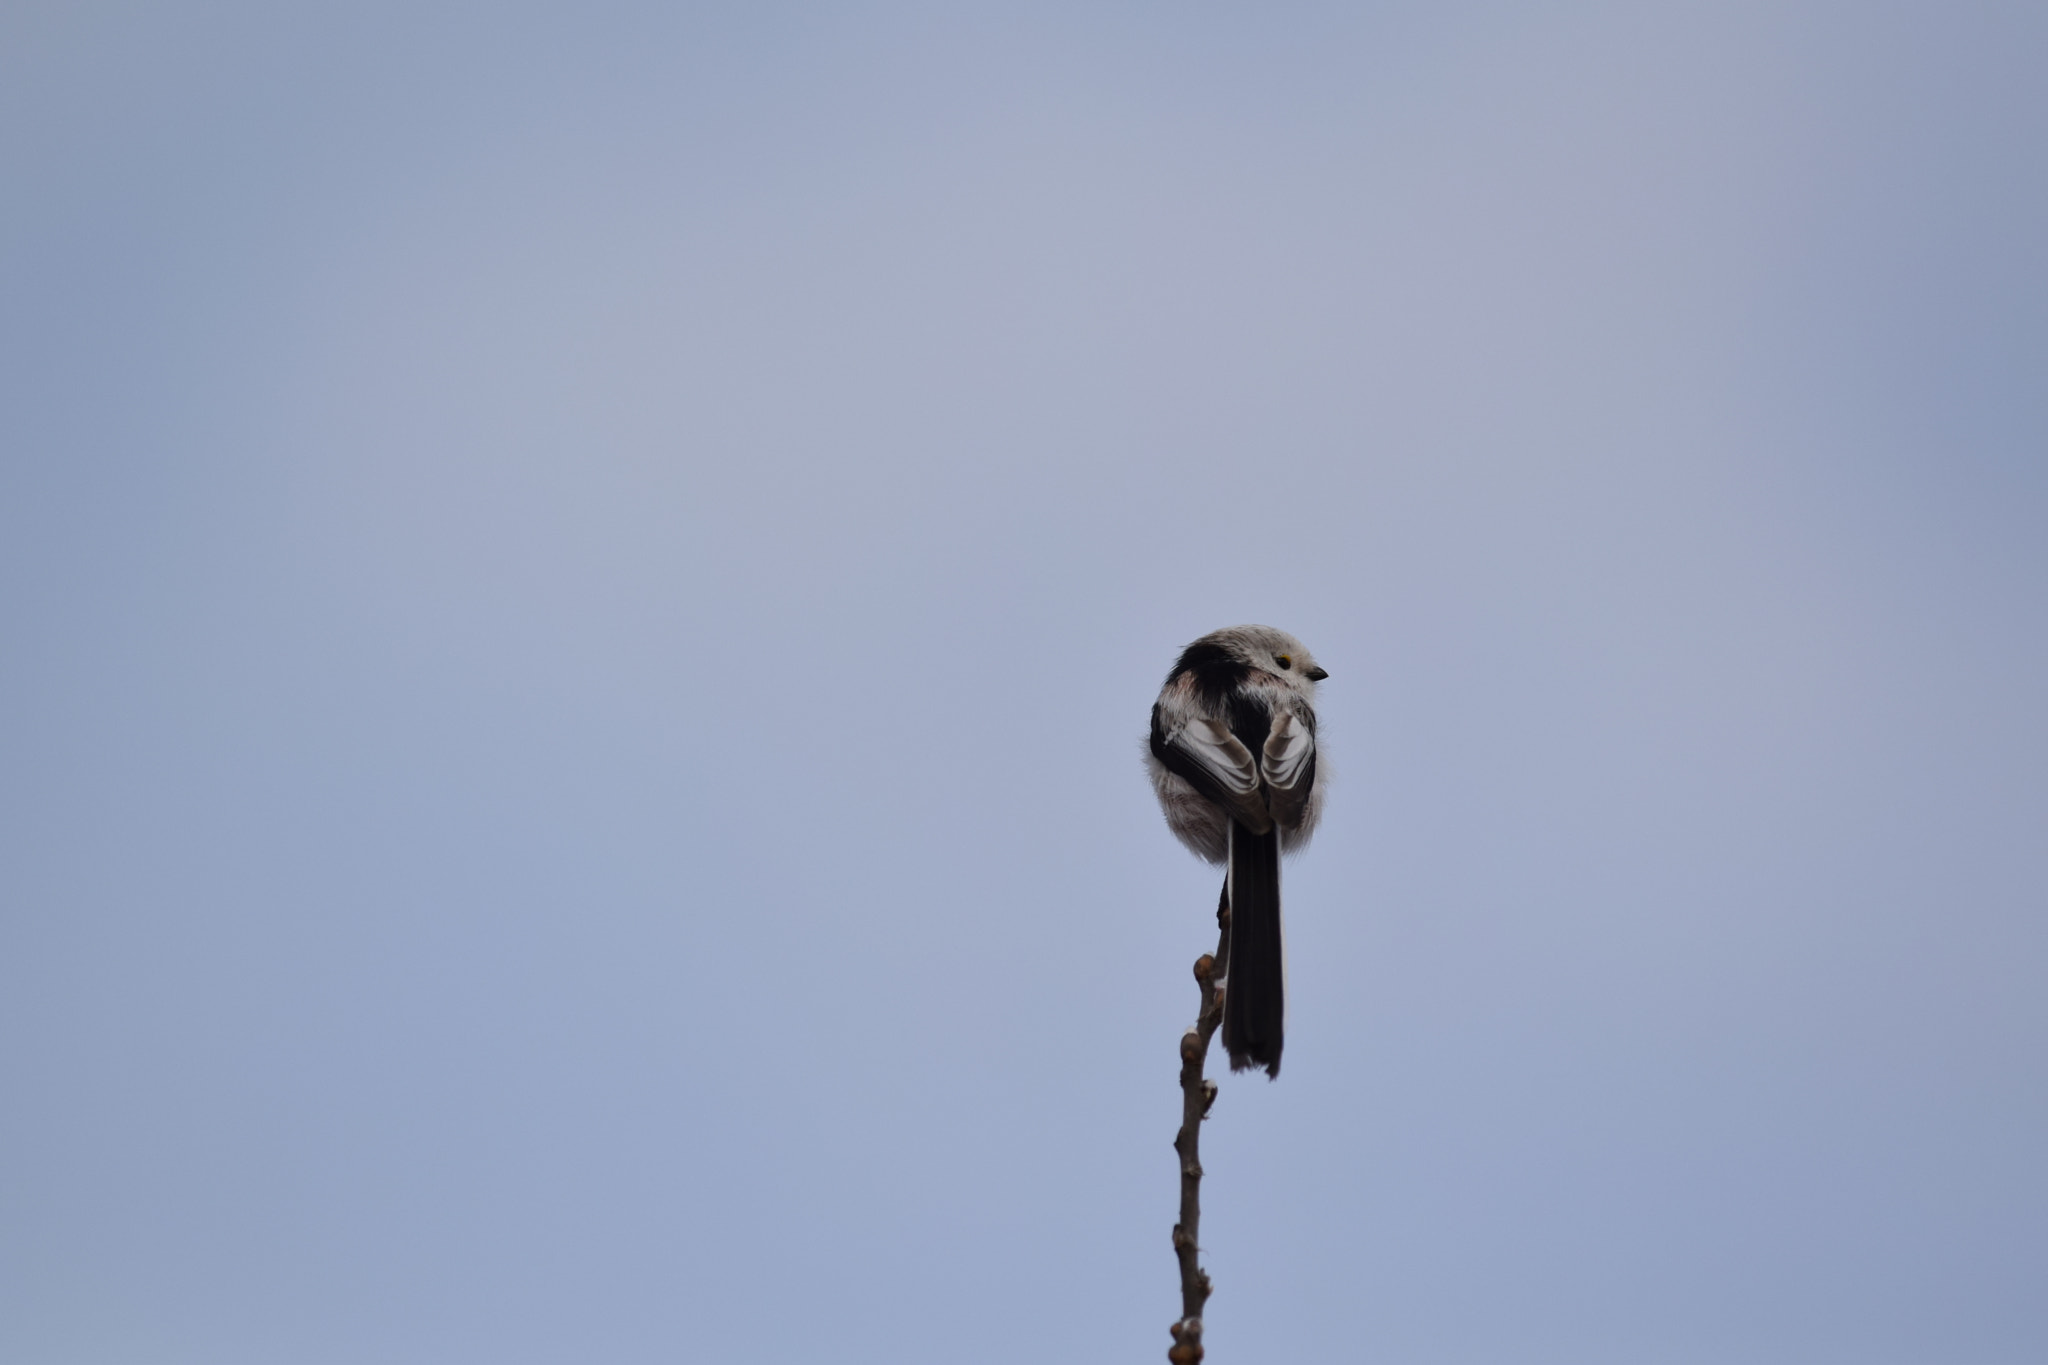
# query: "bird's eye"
x,y
1283,661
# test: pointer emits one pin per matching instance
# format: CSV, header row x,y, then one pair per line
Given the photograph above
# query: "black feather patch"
x,y
1216,674
1251,720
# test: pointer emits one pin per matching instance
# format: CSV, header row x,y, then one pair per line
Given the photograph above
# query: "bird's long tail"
x,y
1255,993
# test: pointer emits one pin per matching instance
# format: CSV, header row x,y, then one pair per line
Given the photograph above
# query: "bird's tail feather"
x,y
1255,993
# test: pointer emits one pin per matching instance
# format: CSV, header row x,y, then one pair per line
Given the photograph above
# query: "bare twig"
x,y
1196,1095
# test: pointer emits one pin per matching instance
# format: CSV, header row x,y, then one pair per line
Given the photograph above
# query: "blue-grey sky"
x,y
580,589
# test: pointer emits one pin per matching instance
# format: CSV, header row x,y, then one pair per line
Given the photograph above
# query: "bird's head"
x,y
1271,651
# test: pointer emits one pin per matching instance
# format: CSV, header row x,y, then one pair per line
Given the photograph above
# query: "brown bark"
x,y
1197,1094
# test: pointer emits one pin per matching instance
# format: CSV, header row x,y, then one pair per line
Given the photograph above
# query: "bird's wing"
x,y
1217,763
1289,755
1290,752
1221,754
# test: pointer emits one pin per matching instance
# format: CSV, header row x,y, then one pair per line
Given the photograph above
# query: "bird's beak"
x,y
1316,674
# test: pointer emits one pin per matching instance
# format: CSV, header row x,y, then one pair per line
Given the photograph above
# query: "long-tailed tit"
x,y
1233,758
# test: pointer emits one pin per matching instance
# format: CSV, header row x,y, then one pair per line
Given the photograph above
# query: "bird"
x,y
1233,760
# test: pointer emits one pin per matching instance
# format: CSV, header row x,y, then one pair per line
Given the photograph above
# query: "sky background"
x,y
580,587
